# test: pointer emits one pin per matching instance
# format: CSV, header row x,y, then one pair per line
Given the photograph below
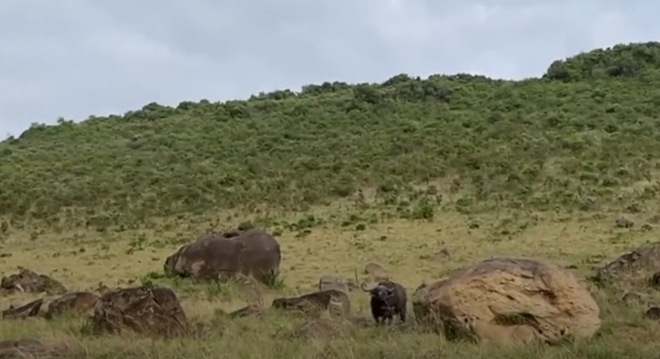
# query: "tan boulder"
x,y
142,310
72,303
420,305
511,300
376,272
253,252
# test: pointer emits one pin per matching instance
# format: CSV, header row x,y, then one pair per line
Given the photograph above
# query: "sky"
x,y
75,58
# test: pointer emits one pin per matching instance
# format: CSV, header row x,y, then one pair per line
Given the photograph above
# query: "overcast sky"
x,y
74,58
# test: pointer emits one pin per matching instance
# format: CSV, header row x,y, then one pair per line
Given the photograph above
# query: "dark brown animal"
x,y
387,300
221,256
322,300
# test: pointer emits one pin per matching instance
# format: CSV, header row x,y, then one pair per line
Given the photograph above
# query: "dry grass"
x,y
408,249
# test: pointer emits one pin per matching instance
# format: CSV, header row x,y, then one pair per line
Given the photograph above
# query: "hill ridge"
x,y
556,141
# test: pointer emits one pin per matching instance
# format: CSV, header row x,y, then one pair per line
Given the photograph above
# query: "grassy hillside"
x,y
421,176
539,142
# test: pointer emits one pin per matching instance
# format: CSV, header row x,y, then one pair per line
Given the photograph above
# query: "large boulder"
x,y
253,253
151,311
511,300
27,281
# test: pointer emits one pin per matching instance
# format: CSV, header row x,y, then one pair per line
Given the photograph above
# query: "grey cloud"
x,y
75,58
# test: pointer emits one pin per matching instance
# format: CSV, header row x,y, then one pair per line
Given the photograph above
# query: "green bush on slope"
x,y
618,61
540,142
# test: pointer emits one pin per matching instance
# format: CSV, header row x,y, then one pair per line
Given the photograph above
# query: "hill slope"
x,y
576,142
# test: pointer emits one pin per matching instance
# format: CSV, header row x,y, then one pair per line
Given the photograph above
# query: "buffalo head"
x,y
378,290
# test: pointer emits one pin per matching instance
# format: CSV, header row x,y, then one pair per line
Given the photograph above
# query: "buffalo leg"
x,y
375,315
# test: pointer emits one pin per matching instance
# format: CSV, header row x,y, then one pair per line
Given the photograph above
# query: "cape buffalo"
x,y
387,300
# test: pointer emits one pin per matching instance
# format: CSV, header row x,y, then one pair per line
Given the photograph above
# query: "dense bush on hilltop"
x,y
617,61
538,143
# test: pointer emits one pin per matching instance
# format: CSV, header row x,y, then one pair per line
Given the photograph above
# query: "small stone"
x,y
623,222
